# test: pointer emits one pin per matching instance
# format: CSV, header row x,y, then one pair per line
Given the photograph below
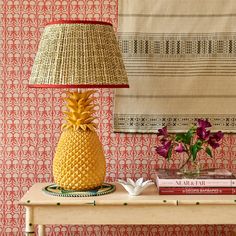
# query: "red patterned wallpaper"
x,y
30,123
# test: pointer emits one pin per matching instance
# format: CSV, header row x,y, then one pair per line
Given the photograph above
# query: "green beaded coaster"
x,y
55,190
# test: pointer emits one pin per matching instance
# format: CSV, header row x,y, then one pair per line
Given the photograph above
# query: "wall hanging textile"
x,y
180,57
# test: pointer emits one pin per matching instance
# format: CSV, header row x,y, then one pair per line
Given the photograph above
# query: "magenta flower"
x,y
213,143
163,132
180,148
218,136
214,139
202,133
163,150
203,123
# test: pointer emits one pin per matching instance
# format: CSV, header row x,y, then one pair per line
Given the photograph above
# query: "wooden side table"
x,y
120,208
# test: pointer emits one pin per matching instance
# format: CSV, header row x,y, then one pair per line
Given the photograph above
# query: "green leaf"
x,y
191,149
199,143
180,137
185,138
194,149
189,136
194,153
208,151
169,153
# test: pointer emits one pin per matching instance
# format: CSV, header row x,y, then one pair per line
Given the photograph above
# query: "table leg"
x,y
29,224
41,230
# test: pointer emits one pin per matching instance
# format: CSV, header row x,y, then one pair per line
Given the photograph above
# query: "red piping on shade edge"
x,y
78,86
79,22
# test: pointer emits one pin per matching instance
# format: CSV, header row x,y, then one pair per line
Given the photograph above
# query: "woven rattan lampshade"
x,y
83,54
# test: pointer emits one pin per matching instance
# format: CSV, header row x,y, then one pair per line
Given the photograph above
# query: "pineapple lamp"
x,y
79,54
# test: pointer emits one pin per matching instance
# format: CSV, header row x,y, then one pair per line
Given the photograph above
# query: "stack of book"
x,y
208,182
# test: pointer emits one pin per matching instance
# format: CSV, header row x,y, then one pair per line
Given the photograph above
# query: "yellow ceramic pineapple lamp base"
x,y
79,162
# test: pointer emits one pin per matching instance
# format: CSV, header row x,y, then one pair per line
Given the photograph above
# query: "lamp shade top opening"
x,y
79,22
78,54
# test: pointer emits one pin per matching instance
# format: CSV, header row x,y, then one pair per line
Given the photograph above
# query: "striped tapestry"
x,y
180,57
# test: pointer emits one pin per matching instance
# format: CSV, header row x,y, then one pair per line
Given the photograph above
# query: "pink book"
x,y
206,178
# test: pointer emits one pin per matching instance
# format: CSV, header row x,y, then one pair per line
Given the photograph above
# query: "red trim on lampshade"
x,y
79,22
78,86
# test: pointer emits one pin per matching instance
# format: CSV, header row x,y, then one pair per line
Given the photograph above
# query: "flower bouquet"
x,y
197,138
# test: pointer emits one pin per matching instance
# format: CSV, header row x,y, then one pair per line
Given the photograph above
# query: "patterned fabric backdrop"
x,y
30,123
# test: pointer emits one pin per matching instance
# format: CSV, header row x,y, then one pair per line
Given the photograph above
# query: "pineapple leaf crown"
x,y
80,110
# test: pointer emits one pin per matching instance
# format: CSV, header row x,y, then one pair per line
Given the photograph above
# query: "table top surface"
x,y
150,196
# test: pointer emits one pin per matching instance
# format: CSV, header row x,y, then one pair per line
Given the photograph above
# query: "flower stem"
x,y
189,156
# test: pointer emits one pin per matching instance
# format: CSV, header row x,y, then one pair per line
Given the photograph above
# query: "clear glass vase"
x,y
190,169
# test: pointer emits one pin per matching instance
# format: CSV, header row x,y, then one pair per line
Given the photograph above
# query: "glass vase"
x,y
190,169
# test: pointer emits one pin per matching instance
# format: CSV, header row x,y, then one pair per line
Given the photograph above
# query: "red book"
x,y
196,191
206,178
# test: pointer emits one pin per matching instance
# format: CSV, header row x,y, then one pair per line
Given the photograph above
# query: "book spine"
x,y
196,191
196,182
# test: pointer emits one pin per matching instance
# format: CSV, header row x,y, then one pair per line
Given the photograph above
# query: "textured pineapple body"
x,y
79,162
